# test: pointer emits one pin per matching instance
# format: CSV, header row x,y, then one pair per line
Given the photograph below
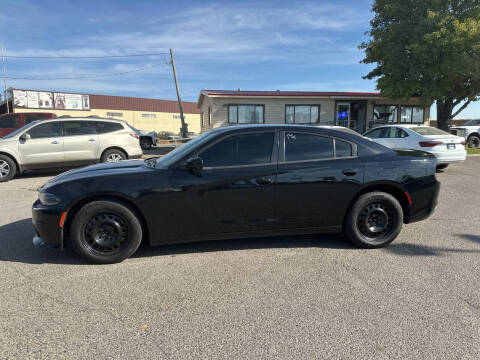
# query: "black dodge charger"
x,y
239,181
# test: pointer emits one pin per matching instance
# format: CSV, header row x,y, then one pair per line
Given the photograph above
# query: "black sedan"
x,y
241,181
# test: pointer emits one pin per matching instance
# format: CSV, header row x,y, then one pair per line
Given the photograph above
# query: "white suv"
x,y
470,131
66,143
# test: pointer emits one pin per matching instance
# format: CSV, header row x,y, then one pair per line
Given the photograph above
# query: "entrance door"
x,y
343,114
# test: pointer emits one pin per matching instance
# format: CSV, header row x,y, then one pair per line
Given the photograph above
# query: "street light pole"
x,y
4,78
183,130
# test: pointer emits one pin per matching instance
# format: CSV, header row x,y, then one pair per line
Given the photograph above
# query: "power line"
x,y
85,57
20,77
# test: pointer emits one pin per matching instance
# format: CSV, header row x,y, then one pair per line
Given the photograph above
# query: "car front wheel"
x,y
374,220
105,232
8,168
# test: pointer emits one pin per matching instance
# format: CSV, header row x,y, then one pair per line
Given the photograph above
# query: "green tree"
x,y
427,48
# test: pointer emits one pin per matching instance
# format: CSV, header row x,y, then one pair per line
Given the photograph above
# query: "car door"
x,y
44,147
80,141
235,190
317,178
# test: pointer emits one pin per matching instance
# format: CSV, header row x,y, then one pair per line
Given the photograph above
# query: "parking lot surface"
x,y
298,297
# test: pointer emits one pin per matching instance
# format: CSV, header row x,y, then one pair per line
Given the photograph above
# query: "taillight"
x,y
430,143
134,135
463,142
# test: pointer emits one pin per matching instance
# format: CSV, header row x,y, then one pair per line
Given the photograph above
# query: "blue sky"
x,y
252,45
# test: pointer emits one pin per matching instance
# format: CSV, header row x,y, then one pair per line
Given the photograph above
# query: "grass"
x,y
473,151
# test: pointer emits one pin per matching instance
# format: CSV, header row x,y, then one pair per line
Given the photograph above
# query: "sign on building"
x,y
48,100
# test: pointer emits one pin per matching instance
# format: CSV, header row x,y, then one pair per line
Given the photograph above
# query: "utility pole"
x,y
4,78
183,130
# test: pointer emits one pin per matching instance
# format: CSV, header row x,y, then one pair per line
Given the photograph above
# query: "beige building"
x,y
359,111
142,113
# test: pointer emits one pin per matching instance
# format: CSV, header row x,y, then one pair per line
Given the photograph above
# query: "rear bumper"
x,y
46,222
424,201
450,157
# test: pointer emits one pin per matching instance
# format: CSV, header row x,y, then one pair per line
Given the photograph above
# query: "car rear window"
x,y
104,127
428,130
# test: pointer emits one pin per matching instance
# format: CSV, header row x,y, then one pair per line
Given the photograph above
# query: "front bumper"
x,y
46,221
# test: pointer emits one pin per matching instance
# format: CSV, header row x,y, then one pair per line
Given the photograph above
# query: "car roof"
x,y
87,118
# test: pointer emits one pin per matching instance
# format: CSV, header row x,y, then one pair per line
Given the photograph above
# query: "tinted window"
x,y
28,118
46,130
342,149
247,149
374,134
9,122
472,123
72,128
307,147
103,127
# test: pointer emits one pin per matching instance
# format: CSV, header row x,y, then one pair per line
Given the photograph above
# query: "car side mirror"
x,y
195,163
25,137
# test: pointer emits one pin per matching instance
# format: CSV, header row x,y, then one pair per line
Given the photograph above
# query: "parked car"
x,y
239,181
11,122
470,131
447,148
147,138
66,143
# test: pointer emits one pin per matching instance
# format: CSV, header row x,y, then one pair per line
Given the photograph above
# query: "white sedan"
x,y
446,147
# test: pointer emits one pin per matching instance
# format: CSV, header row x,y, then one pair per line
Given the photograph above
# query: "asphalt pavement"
x,y
300,297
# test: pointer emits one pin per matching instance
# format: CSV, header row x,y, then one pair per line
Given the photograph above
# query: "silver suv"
x,y
66,143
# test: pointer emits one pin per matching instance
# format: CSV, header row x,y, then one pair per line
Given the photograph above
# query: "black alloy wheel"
x,y
145,143
105,232
374,220
473,142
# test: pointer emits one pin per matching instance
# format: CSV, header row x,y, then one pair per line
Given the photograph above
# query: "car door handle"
x,y
263,181
55,142
349,172
92,140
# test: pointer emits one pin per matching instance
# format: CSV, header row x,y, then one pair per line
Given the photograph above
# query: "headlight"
x,y
47,199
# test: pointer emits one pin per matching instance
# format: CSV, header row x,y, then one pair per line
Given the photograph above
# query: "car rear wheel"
x,y
145,143
8,169
374,220
113,155
473,142
105,232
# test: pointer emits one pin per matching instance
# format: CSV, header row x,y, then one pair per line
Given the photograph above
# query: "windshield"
x,y
18,131
181,151
472,123
428,130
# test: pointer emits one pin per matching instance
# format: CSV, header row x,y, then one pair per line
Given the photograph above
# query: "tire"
x,y
105,232
145,143
473,142
8,169
374,220
113,155
442,166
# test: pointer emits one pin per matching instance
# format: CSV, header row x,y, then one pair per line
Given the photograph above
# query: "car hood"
x,y
103,169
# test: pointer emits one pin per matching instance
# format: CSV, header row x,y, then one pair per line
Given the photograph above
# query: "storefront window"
x,y
245,114
385,114
302,114
412,114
